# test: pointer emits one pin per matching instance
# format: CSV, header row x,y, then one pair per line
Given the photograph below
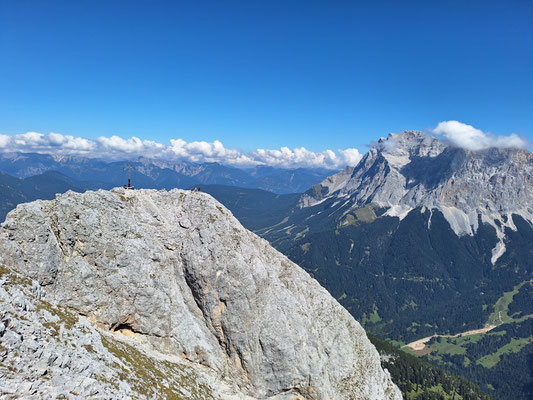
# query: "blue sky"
x,y
264,74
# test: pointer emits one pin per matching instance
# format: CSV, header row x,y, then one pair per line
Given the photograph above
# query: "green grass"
x,y
14,278
66,317
456,346
500,315
448,346
408,350
515,346
464,340
364,214
372,318
396,343
421,393
151,378
4,270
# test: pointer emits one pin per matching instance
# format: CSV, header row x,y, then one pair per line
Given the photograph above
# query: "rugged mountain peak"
x,y
412,169
178,275
400,148
410,144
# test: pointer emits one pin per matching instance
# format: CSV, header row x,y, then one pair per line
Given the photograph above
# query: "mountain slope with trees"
x,y
421,238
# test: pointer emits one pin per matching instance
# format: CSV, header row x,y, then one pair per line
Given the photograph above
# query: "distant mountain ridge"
x,y
45,186
412,169
162,174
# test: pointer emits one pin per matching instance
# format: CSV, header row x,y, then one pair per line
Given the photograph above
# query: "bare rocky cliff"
x,y
173,280
410,170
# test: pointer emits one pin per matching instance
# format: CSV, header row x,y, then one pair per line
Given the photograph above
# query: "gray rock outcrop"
x,y
175,276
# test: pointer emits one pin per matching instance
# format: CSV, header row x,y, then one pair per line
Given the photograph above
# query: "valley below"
x,y
419,346
499,316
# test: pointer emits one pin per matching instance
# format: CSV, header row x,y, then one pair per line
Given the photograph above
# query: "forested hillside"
x,y
44,186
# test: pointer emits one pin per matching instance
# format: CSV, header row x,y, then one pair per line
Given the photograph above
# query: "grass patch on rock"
x,y
152,378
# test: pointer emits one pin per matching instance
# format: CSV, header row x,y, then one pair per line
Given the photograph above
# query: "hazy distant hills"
x,y
45,186
161,174
29,176
254,208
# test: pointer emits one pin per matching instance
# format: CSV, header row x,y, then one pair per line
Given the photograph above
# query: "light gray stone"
x,y
175,275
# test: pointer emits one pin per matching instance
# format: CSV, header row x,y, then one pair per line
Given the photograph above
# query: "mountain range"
x,y
428,245
423,238
160,174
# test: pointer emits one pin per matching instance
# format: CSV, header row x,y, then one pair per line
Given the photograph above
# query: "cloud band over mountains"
x,y
455,133
467,137
115,147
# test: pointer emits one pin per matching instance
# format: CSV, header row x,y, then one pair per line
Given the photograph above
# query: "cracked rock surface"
x,y
172,282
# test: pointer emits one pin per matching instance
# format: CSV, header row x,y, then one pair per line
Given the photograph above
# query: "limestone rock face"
x,y
176,273
412,169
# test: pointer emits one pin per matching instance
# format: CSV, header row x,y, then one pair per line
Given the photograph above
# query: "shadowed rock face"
x,y
178,270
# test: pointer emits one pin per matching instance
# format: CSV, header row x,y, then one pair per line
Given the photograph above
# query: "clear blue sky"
x,y
319,74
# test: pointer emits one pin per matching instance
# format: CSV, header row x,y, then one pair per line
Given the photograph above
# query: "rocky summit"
x,y
411,169
155,294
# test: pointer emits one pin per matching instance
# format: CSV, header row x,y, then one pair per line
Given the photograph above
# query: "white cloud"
x,y
49,143
115,147
351,156
301,157
4,141
470,138
204,152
